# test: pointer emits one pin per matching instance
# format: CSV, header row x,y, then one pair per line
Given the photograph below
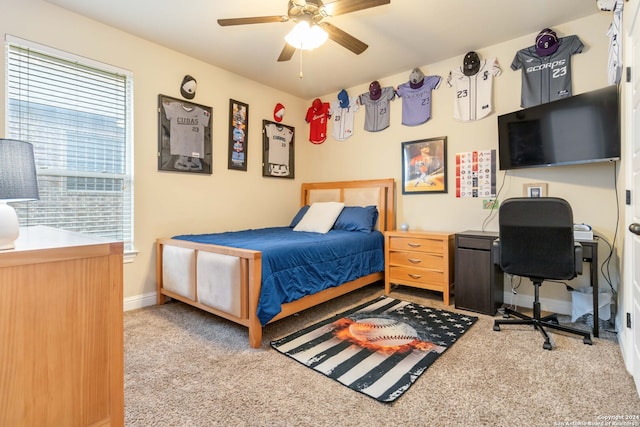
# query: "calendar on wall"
x,y
476,174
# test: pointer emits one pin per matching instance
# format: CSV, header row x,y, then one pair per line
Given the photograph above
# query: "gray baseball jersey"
x,y
187,128
473,93
546,78
377,113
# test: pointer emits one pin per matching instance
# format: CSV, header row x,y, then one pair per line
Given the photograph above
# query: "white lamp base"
x,y
9,228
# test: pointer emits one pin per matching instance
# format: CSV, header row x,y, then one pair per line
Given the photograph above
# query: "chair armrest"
x,y
578,257
495,252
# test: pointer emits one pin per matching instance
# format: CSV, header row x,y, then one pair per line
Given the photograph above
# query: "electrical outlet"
x,y
490,204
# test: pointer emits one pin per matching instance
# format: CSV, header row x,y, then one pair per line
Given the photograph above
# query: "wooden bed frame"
x,y
352,193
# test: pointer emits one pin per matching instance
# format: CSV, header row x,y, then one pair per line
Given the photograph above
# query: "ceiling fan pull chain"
x,y
301,75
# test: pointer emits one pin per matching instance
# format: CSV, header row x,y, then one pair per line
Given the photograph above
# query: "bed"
x,y
227,279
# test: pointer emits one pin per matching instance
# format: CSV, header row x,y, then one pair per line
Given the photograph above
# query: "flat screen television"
x,y
580,129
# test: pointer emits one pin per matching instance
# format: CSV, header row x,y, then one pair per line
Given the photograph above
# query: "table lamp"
x,y
18,183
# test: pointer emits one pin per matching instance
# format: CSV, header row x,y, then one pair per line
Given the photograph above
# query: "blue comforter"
x,y
295,264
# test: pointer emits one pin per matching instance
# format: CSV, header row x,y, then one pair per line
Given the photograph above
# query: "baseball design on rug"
x,y
383,332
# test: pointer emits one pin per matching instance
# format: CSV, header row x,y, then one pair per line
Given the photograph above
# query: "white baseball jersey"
x,y
473,94
546,78
416,103
614,62
342,119
279,141
377,112
187,129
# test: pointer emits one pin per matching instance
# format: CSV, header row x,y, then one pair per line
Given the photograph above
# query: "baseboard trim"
x,y
140,301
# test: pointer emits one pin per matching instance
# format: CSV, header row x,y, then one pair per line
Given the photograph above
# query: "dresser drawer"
x,y
408,275
474,243
415,244
417,259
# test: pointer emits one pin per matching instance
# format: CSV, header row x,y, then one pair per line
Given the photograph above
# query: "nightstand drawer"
x,y
417,259
416,275
415,244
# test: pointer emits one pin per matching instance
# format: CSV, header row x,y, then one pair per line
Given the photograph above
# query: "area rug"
x,y
379,348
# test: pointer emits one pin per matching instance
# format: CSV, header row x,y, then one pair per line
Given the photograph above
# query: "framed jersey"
x,y
278,154
184,136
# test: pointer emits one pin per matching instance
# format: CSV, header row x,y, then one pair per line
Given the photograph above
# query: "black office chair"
x,y
536,241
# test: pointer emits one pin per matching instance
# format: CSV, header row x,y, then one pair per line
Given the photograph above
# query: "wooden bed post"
x,y
160,297
255,283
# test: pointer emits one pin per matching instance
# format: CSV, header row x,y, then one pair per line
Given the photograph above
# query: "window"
x,y
77,114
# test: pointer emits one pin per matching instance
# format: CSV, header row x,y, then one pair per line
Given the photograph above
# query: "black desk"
x,y
483,293
590,255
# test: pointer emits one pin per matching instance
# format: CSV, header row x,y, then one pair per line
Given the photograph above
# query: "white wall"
x,y
174,203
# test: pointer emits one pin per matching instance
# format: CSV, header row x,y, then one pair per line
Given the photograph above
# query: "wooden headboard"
x,y
378,192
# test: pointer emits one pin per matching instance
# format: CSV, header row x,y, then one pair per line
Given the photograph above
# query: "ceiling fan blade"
x,y
253,20
340,7
287,53
344,39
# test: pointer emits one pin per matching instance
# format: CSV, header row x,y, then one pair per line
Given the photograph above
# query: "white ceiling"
x,y
401,35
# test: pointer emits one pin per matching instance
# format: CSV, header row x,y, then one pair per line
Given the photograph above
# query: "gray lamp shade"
x,y
18,180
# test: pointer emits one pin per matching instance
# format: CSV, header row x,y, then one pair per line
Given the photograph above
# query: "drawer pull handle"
x,y
415,276
414,245
414,261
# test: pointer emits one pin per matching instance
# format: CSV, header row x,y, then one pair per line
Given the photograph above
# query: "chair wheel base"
x,y
587,341
546,345
496,327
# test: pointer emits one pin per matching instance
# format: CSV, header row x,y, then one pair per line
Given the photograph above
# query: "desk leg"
x,y
593,267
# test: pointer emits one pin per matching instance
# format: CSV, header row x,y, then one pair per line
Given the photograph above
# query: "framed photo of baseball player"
x,y
424,166
184,136
278,142
238,135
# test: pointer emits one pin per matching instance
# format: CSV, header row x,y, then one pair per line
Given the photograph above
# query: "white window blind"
x,y
77,115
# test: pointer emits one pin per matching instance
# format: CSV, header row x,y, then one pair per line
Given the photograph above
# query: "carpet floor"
x,y
185,367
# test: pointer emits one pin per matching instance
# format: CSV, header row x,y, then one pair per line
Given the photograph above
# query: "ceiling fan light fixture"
x,y
306,37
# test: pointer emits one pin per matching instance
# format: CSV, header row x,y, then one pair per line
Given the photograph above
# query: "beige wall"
x,y
172,203
168,203
589,189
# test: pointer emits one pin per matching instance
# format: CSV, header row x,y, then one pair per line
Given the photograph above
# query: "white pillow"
x,y
320,217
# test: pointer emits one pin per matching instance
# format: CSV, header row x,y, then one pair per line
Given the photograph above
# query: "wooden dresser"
x,y
420,259
61,330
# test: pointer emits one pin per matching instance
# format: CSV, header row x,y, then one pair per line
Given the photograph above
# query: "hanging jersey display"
x,y
280,138
416,102
342,119
614,60
317,117
187,128
377,112
473,93
546,78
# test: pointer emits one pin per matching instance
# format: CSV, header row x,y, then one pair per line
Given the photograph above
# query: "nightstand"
x,y
420,259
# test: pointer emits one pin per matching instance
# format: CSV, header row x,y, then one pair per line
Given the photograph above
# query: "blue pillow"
x,y
296,219
357,218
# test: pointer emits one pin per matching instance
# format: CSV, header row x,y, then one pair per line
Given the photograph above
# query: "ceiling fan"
x,y
314,12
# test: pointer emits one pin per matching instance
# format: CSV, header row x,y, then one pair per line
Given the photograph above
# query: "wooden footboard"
x,y
247,284
236,291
